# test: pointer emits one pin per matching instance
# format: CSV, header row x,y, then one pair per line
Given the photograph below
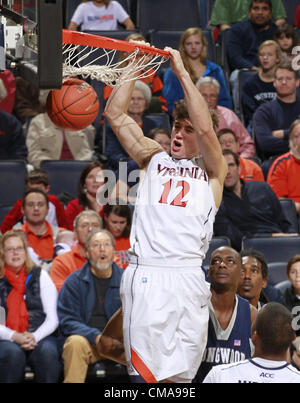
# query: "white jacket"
x,y
45,140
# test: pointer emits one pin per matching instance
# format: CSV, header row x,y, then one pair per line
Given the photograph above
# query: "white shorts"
x,y
165,321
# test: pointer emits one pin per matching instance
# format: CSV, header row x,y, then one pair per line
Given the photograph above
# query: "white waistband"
x,y
161,263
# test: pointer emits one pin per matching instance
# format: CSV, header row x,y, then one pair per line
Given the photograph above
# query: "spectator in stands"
x,y
37,179
28,102
45,141
297,17
230,316
7,91
249,170
287,38
247,208
28,297
259,88
284,173
244,39
226,13
12,138
163,137
90,181
272,120
88,298
291,297
40,234
254,277
64,242
140,101
154,82
210,89
62,266
117,220
193,51
100,15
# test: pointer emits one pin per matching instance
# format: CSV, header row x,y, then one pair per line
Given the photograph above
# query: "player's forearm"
x,y
196,105
118,101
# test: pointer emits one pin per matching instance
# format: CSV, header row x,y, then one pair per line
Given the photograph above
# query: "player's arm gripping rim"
x,y
200,118
129,133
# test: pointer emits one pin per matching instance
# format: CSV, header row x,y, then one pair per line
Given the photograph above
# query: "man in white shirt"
x,y
100,15
272,339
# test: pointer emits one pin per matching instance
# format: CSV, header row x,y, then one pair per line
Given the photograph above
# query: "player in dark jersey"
x,y
230,316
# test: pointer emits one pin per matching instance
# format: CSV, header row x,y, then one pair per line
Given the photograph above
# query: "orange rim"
x,y
84,39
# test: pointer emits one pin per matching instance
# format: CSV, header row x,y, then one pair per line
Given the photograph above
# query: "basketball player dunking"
x,y
163,290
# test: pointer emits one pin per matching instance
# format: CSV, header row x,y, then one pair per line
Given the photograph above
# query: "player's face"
x,y
285,83
267,57
116,224
193,46
252,280
260,14
184,142
225,268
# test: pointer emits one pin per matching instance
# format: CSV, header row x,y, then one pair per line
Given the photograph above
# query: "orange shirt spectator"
x,y
43,244
284,173
250,170
65,264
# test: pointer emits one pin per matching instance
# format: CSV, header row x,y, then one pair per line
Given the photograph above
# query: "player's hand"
x,y
176,62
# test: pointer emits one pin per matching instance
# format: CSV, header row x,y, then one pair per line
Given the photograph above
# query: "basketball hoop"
x,y
95,57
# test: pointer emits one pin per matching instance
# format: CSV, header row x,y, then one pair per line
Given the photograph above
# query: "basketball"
x,y
74,106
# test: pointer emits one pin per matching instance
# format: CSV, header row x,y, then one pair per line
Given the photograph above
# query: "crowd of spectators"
x,y
61,262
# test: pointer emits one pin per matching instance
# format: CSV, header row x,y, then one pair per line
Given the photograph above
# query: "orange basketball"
x,y
74,106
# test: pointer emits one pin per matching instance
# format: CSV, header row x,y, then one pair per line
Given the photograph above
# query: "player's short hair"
x,y
180,111
260,257
273,325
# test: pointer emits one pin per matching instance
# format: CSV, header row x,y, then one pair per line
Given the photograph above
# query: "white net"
x,y
104,64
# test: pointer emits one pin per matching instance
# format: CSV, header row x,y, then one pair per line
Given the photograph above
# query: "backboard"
x,y
33,39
